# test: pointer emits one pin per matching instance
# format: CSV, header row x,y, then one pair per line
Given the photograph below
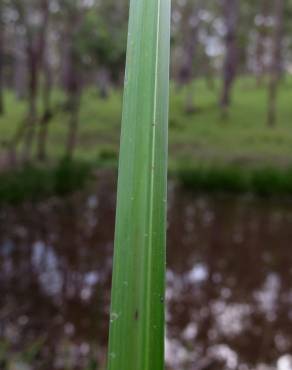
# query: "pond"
x,y
229,281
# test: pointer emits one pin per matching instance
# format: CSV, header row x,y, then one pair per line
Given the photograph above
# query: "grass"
x,y
205,138
198,140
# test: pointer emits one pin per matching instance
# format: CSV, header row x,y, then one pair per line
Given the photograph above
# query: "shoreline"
x,y
36,182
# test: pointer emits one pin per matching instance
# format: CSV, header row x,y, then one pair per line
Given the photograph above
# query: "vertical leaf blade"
x,y
137,310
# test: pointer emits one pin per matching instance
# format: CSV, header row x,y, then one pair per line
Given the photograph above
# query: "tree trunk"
x,y
190,29
186,69
209,73
32,111
276,65
1,66
231,16
36,44
20,67
104,82
47,110
260,43
74,105
72,81
44,127
73,87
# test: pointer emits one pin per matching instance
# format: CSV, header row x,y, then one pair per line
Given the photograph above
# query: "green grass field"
x,y
200,138
207,153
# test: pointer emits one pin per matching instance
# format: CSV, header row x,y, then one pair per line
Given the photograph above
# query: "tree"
x,y
1,57
72,17
189,30
262,33
102,41
46,102
231,18
35,34
276,62
20,78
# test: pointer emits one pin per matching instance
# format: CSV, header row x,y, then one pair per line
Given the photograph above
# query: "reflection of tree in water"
x,y
232,304
229,292
58,288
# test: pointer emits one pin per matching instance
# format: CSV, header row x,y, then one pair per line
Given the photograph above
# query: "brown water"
x,y
229,282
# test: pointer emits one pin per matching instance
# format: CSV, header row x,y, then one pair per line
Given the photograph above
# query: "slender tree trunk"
x,y
47,110
190,21
104,82
1,65
1,93
44,125
36,44
260,43
186,70
209,74
259,59
32,111
272,101
190,106
72,81
74,105
20,67
73,87
276,65
231,16
186,74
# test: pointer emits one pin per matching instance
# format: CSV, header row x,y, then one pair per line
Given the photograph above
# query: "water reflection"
x,y
229,288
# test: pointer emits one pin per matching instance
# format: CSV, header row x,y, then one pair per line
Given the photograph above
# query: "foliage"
x,y
99,43
33,183
229,179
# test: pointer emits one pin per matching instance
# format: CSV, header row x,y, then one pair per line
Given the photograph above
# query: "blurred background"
x,y
229,270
